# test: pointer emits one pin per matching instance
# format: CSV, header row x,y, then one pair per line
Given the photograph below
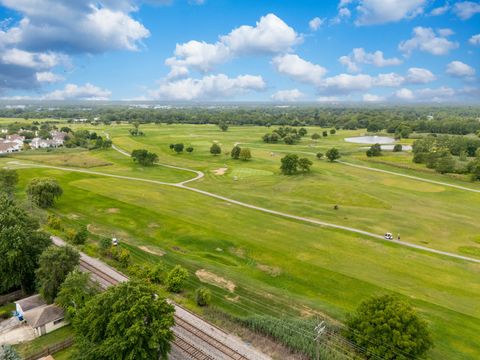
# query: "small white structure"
x,y
41,317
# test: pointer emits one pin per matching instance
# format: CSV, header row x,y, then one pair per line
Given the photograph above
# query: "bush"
x,y
375,150
203,296
319,156
121,255
176,279
397,148
104,244
235,153
333,132
54,222
189,149
81,236
245,154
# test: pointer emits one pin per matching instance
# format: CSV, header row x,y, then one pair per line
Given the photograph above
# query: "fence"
x,y
51,349
4,299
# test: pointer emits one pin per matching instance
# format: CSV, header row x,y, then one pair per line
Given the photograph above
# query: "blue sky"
x,y
191,50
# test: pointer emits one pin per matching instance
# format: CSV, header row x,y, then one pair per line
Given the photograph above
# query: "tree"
x,y
8,181
325,133
333,131
189,149
127,321
316,136
75,291
289,164
289,140
235,153
445,163
304,164
44,191
178,148
223,125
388,328
21,244
203,296
54,265
302,132
319,156
176,279
375,150
333,154
215,149
397,148
245,154
80,236
144,157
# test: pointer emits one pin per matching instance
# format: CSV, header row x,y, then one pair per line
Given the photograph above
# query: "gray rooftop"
x,y
31,302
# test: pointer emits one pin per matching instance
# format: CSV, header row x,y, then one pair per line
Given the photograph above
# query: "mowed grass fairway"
x,y
282,266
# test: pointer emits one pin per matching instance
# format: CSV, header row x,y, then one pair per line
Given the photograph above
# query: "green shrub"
x,y
176,279
203,296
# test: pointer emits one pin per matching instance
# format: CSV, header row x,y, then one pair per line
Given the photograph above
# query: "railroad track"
x,y
188,348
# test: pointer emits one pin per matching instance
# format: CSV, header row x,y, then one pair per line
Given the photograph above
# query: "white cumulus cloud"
x,y
360,56
271,35
208,87
287,95
315,23
299,69
48,77
372,98
373,12
419,76
76,92
466,9
404,94
460,69
426,40
475,40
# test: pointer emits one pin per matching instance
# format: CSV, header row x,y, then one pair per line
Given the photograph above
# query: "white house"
x,y
58,139
12,143
43,318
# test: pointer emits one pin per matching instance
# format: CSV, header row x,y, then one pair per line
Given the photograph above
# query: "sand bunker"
x,y
112,210
210,278
152,251
273,271
220,171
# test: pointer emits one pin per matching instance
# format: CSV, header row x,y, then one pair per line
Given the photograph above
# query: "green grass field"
x,y
281,266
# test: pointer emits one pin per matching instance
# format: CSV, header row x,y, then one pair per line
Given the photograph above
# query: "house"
x,y
40,316
58,139
12,143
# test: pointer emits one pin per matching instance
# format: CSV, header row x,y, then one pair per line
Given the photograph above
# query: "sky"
x,y
372,51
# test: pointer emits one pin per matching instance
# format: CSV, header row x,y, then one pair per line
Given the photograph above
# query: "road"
x,y
182,185
194,337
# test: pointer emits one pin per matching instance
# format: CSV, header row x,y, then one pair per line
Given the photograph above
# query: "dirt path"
x,y
258,208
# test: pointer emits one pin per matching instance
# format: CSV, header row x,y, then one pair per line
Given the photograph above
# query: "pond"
x,y
370,140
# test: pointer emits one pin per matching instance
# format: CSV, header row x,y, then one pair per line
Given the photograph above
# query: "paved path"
x,y
258,208
199,173
417,178
409,176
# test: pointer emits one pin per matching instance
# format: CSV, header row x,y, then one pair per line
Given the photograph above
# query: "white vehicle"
x,y
114,241
388,236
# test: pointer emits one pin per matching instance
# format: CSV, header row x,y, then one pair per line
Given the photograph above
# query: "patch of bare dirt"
x,y
241,253
112,211
152,251
232,299
220,171
273,271
210,278
153,226
73,216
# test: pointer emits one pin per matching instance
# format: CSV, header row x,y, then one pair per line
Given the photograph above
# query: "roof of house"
x,y
31,302
5,146
43,315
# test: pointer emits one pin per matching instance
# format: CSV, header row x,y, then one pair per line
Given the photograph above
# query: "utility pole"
x,y
319,331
